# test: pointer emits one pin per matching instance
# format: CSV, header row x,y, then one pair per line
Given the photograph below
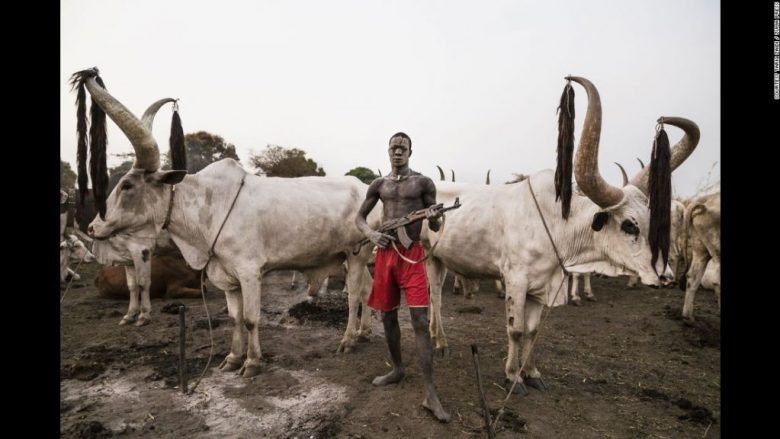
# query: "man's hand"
x,y
432,212
379,239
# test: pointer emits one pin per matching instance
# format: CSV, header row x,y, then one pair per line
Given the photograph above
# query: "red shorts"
x,y
391,273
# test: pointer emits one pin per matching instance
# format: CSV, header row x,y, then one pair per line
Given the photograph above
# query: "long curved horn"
x,y
147,154
379,171
623,171
487,180
586,166
453,174
148,118
680,151
641,163
441,173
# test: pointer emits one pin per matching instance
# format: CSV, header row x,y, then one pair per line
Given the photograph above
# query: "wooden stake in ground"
x,y
485,410
182,362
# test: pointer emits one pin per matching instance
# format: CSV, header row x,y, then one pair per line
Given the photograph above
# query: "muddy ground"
x,y
622,367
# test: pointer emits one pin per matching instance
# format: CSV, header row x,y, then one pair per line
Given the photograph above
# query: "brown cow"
x,y
171,277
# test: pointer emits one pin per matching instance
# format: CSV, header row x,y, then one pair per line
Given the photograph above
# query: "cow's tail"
x,y
686,253
563,170
98,172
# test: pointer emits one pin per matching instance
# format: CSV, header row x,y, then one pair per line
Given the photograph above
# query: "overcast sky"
x,y
475,84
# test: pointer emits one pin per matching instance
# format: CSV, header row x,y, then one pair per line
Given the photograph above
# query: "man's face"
x,y
399,151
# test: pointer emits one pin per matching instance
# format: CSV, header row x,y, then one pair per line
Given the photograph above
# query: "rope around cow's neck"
x,y
203,285
544,318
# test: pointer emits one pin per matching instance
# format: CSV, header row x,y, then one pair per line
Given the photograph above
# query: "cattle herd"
x,y
161,229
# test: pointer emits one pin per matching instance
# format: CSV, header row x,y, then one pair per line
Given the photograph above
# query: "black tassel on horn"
x,y
77,83
98,140
176,142
563,170
660,192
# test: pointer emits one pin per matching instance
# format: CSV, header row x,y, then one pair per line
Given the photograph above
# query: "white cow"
x,y
134,250
72,250
609,224
262,224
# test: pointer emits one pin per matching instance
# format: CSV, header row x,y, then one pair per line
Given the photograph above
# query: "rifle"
x,y
400,223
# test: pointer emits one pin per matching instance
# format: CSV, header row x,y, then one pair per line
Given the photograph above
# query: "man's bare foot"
x,y
433,404
391,378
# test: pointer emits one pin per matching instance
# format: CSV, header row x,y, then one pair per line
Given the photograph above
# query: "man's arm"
x,y
429,199
372,197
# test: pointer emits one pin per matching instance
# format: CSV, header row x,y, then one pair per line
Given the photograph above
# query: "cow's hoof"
x,y
689,321
249,370
576,302
126,320
591,298
143,320
363,336
536,383
227,366
443,351
519,389
346,346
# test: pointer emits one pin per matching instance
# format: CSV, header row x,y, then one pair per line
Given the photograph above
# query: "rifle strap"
x,y
428,254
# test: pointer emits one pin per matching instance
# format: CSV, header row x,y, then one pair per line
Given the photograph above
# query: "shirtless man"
x,y
402,192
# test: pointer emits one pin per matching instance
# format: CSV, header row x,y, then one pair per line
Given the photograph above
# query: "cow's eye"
x,y
126,186
629,227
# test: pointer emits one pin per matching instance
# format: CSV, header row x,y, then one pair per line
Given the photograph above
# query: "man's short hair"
x,y
401,134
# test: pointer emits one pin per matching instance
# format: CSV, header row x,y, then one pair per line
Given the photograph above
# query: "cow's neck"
x,y
199,208
574,237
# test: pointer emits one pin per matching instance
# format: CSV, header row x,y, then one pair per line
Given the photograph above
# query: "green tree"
x,y
67,177
116,173
363,174
278,161
203,148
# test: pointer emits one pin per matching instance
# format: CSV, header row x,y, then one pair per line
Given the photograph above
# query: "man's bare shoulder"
x,y
376,185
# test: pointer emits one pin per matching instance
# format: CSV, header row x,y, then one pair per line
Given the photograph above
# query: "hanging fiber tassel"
x,y
77,83
98,140
660,193
176,142
563,170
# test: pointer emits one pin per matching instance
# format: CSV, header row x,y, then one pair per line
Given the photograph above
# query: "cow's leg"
x,y
575,298
516,290
365,314
75,276
470,286
135,292
250,294
143,278
533,314
436,274
588,290
457,286
632,281
500,288
355,287
235,308
693,280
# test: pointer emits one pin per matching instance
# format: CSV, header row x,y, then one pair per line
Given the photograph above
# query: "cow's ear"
x,y
168,177
599,220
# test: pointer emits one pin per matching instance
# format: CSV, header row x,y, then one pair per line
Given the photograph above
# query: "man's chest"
x,y
403,190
